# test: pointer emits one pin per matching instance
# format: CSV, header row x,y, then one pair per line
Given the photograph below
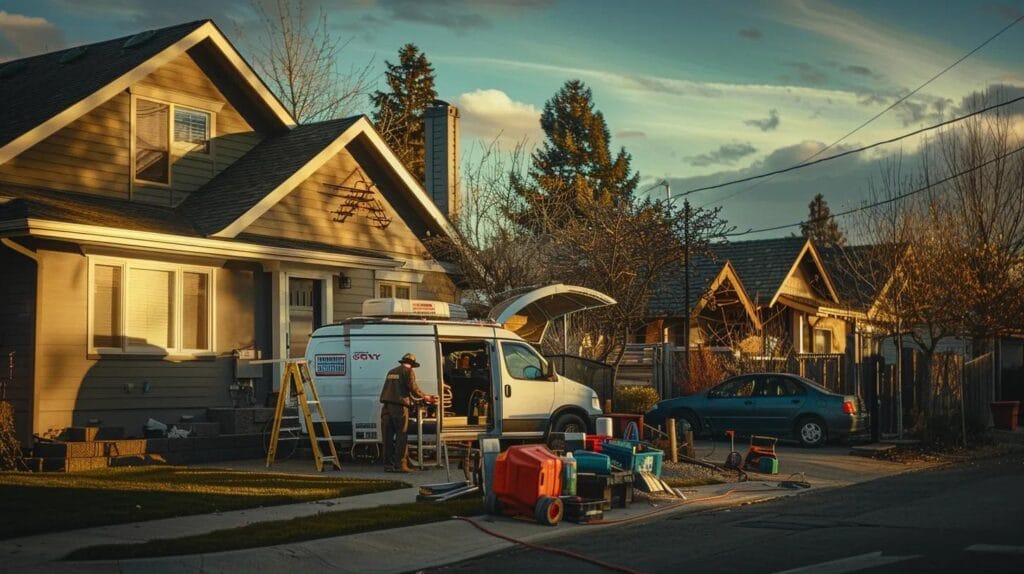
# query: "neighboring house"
x,y
720,313
159,209
797,303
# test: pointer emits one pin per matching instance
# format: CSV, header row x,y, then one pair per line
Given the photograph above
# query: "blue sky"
x,y
697,92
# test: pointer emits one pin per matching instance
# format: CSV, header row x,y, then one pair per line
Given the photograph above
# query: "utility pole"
x,y
686,279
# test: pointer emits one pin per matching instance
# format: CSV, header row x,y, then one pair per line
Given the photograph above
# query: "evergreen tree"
x,y
820,227
399,113
574,168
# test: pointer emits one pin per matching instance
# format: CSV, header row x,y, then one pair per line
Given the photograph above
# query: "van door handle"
x,y
508,391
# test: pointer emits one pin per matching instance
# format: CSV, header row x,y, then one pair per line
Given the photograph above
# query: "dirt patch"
x,y
938,453
681,474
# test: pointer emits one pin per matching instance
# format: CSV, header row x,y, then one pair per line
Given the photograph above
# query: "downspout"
x,y
19,248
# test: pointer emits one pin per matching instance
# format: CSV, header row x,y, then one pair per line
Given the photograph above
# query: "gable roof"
x,y
854,287
44,93
247,189
266,167
667,296
762,264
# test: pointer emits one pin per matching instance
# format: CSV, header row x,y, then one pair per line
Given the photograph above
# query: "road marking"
x,y
851,564
995,549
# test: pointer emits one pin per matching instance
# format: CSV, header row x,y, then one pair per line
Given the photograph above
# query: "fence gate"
x,y
979,391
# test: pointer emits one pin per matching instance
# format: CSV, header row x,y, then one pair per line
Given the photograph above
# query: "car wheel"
x,y
811,431
569,422
686,421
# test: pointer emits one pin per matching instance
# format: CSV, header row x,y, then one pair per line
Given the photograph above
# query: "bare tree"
x,y
296,53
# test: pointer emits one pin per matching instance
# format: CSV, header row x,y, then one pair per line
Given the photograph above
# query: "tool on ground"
x,y
761,456
296,379
733,460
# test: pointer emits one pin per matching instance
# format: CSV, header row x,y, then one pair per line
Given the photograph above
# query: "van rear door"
x,y
528,312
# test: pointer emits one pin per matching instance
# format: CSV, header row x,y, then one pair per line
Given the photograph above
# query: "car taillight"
x,y
849,407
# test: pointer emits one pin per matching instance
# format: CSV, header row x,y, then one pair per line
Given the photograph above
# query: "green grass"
x,y
301,529
54,502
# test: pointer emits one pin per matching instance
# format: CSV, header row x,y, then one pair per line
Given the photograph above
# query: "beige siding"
x,y
73,386
177,82
17,332
349,302
90,155
306,214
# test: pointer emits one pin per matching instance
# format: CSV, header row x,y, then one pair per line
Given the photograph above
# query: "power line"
x,y
853,151
876,116
899,197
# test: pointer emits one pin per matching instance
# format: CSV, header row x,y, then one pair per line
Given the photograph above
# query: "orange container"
x,y
523,474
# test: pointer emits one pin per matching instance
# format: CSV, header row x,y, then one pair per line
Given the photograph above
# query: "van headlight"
x,y
595,402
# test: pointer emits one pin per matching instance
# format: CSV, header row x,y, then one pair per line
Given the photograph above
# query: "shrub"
x,y
635,399
10,448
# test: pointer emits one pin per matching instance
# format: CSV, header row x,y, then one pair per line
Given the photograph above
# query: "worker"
x,y
397,396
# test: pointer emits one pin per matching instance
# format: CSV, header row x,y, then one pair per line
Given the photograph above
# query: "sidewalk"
x,y
402,549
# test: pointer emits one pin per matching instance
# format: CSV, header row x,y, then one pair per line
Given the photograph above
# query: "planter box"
x,y
1004,414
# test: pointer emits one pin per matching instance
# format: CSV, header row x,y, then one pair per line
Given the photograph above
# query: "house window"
x,y
822,341
149,307
394,291
191,131
152,145
164,129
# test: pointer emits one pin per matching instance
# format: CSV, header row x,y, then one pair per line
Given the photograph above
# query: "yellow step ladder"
x,y
296,379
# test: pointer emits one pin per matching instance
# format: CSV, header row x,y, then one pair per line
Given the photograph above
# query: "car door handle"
x,y
508,391
796,401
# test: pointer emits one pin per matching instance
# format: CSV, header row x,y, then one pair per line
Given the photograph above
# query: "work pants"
x,y
394,424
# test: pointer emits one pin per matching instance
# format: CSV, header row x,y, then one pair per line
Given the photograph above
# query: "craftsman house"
x,y
160,210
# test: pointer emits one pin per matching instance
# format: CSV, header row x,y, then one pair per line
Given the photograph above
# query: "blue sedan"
x,y
776,404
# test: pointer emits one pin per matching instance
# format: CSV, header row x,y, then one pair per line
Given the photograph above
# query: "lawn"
x,y
301,529
54,502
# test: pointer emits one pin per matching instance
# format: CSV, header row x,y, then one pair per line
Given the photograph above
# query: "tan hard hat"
x,y
410,359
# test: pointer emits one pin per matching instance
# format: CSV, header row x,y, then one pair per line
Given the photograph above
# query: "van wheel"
x,y
569,422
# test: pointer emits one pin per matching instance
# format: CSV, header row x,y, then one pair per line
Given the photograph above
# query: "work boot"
x,y
404,467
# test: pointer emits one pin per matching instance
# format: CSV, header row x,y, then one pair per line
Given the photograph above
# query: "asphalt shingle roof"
x,y
667,299
851,273
244,183
17,202
33,90
761,265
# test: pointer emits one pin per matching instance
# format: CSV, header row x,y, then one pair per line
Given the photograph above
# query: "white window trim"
x,y
173,153
377,285
179,269
831,338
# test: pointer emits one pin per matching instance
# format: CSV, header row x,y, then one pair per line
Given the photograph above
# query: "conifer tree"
x,y
574,168
820,227
399,113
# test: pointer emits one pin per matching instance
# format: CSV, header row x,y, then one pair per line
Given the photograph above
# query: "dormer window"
x,y
164,132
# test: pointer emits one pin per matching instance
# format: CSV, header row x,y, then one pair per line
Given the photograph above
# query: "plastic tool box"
x,y
614,488
637,457
587,461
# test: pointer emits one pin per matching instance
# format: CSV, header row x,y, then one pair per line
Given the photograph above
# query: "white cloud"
x,y
492,115
22,36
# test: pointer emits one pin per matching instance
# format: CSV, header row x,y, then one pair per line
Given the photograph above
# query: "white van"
x,y
489,374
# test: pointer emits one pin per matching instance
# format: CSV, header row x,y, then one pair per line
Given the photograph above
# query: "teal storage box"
x,y
635,457
768,465
587,461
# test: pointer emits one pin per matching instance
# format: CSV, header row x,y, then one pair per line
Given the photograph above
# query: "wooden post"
x,y
607,406
672,446
689,445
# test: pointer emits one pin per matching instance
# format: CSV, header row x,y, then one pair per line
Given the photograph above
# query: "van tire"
x,y
569,422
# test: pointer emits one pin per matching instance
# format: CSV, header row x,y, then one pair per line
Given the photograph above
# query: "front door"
x,y
304,312
526,395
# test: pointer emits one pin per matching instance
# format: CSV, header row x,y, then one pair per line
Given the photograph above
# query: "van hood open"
x,y
528,312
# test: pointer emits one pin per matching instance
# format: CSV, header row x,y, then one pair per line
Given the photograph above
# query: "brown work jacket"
x,y
400,387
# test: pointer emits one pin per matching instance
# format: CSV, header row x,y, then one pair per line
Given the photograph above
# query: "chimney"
x,y
441,148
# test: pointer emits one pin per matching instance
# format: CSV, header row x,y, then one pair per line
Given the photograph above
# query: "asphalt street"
x,y
967,517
